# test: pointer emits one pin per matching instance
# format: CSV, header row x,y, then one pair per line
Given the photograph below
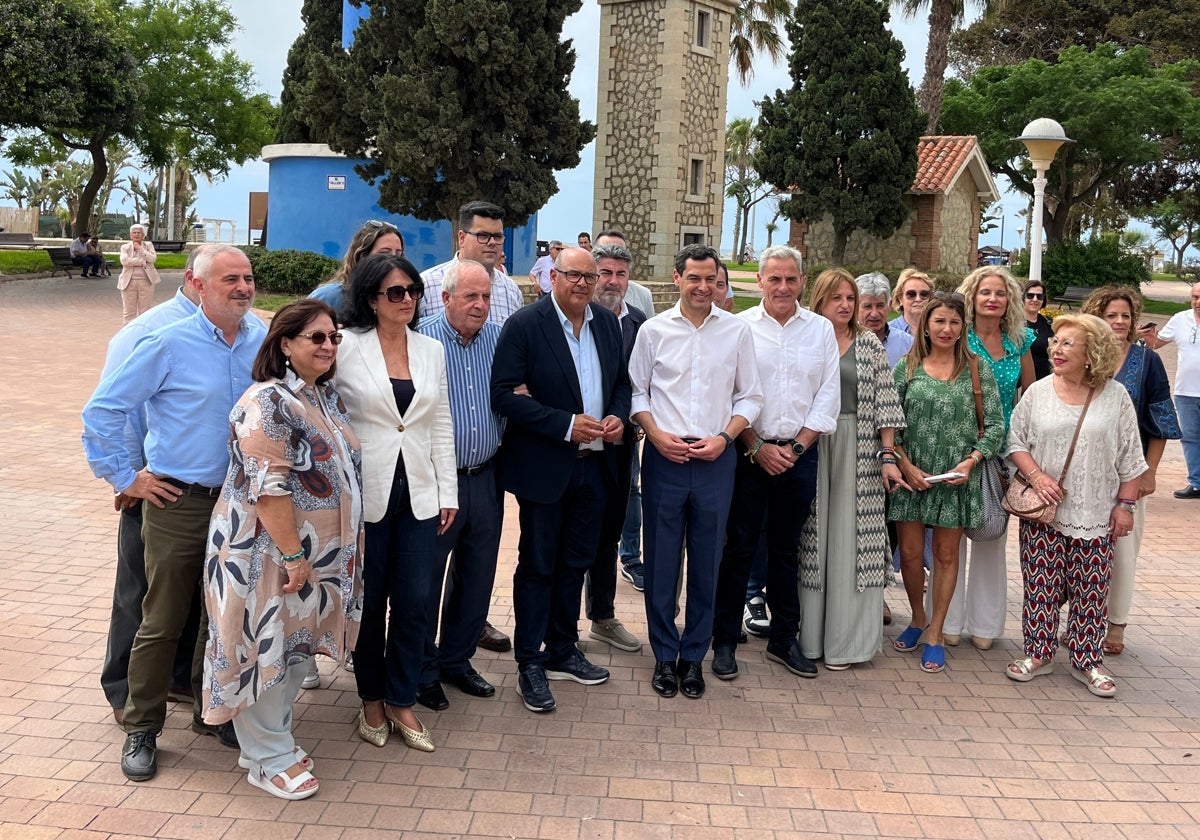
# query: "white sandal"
x,y
1095,680
291,786
302,758
1026,670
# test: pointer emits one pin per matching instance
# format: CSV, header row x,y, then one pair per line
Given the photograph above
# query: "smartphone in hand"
x,y
938,479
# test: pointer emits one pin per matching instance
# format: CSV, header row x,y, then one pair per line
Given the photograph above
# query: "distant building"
x,y
952,188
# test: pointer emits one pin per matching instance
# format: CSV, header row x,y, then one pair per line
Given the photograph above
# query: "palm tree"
x,y
755,29
944,17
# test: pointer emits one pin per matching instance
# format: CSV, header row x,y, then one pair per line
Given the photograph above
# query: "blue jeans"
x,y
1188,409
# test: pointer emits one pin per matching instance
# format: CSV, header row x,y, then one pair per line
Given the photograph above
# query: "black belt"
x,y
690,439
779,442
475,470
193,489
585,453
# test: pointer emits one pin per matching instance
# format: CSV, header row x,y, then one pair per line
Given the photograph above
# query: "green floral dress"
x,y
942,429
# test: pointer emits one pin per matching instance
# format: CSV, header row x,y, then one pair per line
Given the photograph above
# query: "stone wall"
x,y
959,242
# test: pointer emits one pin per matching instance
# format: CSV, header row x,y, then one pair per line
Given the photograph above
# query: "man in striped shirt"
x,y
469,339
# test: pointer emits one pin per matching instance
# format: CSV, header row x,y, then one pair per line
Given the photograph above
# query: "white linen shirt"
x,y
1185,332
798,367
692,380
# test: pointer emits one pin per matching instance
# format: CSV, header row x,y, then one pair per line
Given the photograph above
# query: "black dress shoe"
x,y
431,696
139,756
535,690
691,679
1188,492
492,639
792,659
223,732
724,663
471,683
665,681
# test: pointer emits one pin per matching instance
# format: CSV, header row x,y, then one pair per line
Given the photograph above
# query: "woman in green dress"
x,y
942,439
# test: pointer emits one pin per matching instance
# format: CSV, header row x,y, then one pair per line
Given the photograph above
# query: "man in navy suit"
x,y
559,378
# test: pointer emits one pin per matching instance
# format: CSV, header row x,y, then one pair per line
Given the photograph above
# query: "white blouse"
x,y
1108,453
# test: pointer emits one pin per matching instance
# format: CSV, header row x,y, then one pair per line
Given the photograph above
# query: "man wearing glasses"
x,y
480,238
1183,329
564,354
539,275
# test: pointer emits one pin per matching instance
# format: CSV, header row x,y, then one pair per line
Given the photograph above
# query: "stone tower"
x,y
660,115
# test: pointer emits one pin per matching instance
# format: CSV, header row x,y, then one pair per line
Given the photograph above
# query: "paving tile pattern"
x,y
879,750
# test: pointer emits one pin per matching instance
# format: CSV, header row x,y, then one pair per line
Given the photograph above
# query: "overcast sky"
x,y
270,26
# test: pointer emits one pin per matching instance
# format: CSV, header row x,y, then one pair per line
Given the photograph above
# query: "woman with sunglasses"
x,y
394,382
282,579
941,440
374,237
913,290
1035,300
997,335
1142,373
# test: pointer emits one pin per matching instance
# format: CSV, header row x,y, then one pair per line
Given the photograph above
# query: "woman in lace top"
x,y
1142,373
1070,559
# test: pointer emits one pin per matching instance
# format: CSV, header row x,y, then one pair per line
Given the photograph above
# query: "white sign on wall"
x,y
335,182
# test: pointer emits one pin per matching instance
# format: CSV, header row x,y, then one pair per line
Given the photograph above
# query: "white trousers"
x,y
980,603
1125,554
264,728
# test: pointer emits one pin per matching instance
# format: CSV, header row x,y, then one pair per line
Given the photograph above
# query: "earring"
x,y
287,360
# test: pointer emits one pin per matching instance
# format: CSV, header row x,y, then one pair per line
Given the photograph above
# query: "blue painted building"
x,y
316,202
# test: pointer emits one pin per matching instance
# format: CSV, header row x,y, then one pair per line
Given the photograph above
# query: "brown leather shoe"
x,y
492,639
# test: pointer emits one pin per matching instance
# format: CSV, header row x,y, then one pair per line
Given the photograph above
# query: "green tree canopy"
x,y
844,138
1123,112
157,73
320,39
453,100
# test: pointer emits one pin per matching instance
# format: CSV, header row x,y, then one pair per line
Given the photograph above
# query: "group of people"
x,y
334,484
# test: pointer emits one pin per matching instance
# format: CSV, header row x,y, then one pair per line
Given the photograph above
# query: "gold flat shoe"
x,y
377,735
422,740
951,639
982,642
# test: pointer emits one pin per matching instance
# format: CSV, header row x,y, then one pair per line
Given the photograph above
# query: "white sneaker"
x,y
313,678
754,617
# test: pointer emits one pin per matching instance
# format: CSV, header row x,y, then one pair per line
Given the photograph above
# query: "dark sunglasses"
x,y
913,294
1035,296
319,337
395,294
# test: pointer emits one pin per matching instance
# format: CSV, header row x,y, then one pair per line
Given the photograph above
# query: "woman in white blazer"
x,y
393,381
138,274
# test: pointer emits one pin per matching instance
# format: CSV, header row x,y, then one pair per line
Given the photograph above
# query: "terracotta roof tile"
x,y
939,160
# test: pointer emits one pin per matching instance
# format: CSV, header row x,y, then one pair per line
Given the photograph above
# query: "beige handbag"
x,y
1022,500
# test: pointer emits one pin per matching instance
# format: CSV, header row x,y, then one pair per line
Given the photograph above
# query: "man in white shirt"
x,y
480,238
1184,330
695,388
776,479
539,275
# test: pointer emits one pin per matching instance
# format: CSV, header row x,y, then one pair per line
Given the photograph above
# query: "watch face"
x,y
798,448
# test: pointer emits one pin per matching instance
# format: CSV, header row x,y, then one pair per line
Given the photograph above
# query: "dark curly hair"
x,y
365,282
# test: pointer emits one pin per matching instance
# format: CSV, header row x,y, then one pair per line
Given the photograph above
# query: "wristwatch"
x,y
1128,505
798,448
728,439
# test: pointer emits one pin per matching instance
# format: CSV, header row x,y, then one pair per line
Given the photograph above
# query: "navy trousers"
x,y
683,505
557,546
600,584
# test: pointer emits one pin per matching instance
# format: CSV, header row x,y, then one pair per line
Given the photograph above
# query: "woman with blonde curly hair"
x,y
1070,558
997,334
1142,373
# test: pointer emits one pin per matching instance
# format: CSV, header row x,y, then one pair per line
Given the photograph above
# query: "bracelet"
x,y
976,457
891,461
292,558
752,452
1032,473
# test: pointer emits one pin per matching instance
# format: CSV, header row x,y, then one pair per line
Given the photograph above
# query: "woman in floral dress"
x,y
282,578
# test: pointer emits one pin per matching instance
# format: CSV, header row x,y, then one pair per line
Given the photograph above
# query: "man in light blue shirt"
x,y
129,585
188,375
469,339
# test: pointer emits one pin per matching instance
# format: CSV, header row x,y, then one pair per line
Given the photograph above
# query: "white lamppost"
x,y
1042,137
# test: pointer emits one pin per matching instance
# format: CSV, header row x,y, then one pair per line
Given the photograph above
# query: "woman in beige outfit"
x,y
138,274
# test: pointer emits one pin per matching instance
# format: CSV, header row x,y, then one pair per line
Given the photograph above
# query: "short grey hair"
x,y
202,266
873,284
781,252
450,278
611,252
554,242
134,227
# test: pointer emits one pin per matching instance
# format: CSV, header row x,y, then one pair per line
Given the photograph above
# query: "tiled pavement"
x,y
880,750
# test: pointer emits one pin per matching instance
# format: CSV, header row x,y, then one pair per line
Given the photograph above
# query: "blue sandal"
x,y
933,660
909,640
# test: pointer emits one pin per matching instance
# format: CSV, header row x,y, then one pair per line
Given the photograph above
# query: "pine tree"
x,y
844,138
453,100
320,39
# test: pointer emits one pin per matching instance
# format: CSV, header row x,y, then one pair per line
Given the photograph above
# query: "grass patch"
x,y
1164,307
737,266
743,302
168,261
272,302
33,262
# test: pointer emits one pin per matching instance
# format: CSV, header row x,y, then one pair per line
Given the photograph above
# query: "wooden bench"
x,y
168,246
17,240
61,258
1074,294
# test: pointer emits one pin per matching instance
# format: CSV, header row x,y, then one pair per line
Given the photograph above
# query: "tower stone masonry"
x,y
660,115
